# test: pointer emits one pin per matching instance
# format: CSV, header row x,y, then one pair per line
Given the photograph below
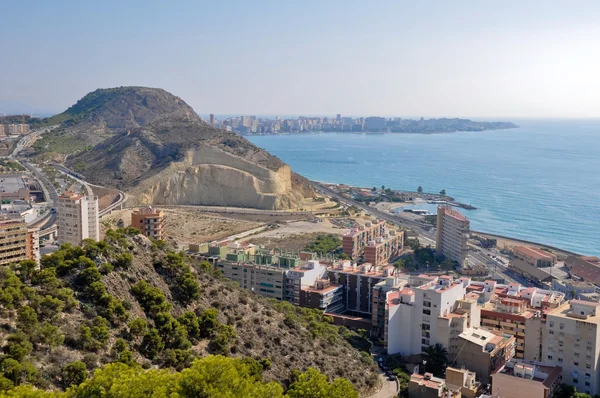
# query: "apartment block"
x,y
149,221
77,218
379,305
358,282
14,239
571,340
516,310
3,130
323,295
265,280
533,256
516,379
384,248
305,276
355,240
574,289
483,352
424,314
452,234
33,244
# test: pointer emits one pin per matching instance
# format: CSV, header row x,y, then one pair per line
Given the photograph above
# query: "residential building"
x,y
12,188
421,315
14,245
516,310
571,340
323,295
483,351
77,218
379,305
464,380
33,244
452,234
358,282
3,130
429,386
355,240
149,221
384,248
266,280
17,128
304,276
534,256
517,379
212,120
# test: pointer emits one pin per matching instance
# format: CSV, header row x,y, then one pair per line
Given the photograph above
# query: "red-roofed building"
x,y
534,256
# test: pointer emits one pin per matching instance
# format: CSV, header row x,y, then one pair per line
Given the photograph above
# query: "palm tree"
x,y
437,357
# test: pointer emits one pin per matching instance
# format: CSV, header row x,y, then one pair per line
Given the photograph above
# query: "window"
x,y
575,381
587,383
551,332
576,363
560,359
562,326
588,366
427,312
551,324
427,304
550,357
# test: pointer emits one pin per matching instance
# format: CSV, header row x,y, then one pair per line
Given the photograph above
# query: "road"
x,y
389,389
396,220
50,194
25,141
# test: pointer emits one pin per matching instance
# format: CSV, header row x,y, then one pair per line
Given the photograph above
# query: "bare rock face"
x,y
163,154
213,177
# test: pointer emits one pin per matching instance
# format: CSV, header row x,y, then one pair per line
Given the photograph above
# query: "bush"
x,y
137,327
74,373
106,268
124,260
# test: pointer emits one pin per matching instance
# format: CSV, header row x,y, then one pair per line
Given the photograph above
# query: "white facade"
x,y
77,218
571,340
420,317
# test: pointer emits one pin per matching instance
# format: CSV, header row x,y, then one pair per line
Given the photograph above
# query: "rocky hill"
x,y
129,300
154,146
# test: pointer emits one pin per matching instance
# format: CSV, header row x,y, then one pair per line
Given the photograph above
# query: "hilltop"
x,y
153,145
133,301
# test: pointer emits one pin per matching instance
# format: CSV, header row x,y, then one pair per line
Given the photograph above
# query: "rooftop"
x,y
588,271
546,375
11,184
533,252
449,211
535,272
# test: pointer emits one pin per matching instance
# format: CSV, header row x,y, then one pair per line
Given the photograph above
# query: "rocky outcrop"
x,y
210,176
161,154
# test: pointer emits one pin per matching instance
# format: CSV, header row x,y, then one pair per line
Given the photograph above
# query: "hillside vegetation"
x,y
94,318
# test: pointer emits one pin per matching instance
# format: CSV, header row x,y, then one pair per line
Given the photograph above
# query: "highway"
x,y
420,228
50,195
25,141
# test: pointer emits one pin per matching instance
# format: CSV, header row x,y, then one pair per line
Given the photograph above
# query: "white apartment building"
x,y
571,340
77,218
452,234
430,313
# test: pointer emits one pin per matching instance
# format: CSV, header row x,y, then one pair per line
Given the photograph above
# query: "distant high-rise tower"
x,y
77,218
339,117
212,120
452,234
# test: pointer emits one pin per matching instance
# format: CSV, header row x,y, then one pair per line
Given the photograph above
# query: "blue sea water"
x,y
538,182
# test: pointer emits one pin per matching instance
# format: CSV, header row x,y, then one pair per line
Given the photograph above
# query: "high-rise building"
x,y
339,117
149,221
212,120
2,130
77,218
571,340
452,234
13,240
374,123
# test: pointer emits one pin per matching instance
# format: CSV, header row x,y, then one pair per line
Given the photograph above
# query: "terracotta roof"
x,y
452,213
587,271
533,252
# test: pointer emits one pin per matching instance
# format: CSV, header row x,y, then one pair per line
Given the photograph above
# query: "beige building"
x,y
149,221
571,340
534,256
77,218
482,351
517,379
13,241
266,280
452,234
464,380
33,244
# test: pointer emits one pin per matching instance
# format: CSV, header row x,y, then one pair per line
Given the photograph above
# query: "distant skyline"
x,y
509,59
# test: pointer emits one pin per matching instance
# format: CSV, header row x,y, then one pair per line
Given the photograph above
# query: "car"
x,y
391,378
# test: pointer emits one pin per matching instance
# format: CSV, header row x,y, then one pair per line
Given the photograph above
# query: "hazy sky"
x,y
418,58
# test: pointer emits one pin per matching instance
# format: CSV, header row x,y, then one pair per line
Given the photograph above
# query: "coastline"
x,y
377,132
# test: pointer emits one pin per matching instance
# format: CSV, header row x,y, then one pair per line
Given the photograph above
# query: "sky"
x,y
388,58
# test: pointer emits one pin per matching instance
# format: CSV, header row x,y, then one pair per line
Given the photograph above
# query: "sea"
x,y
539,182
